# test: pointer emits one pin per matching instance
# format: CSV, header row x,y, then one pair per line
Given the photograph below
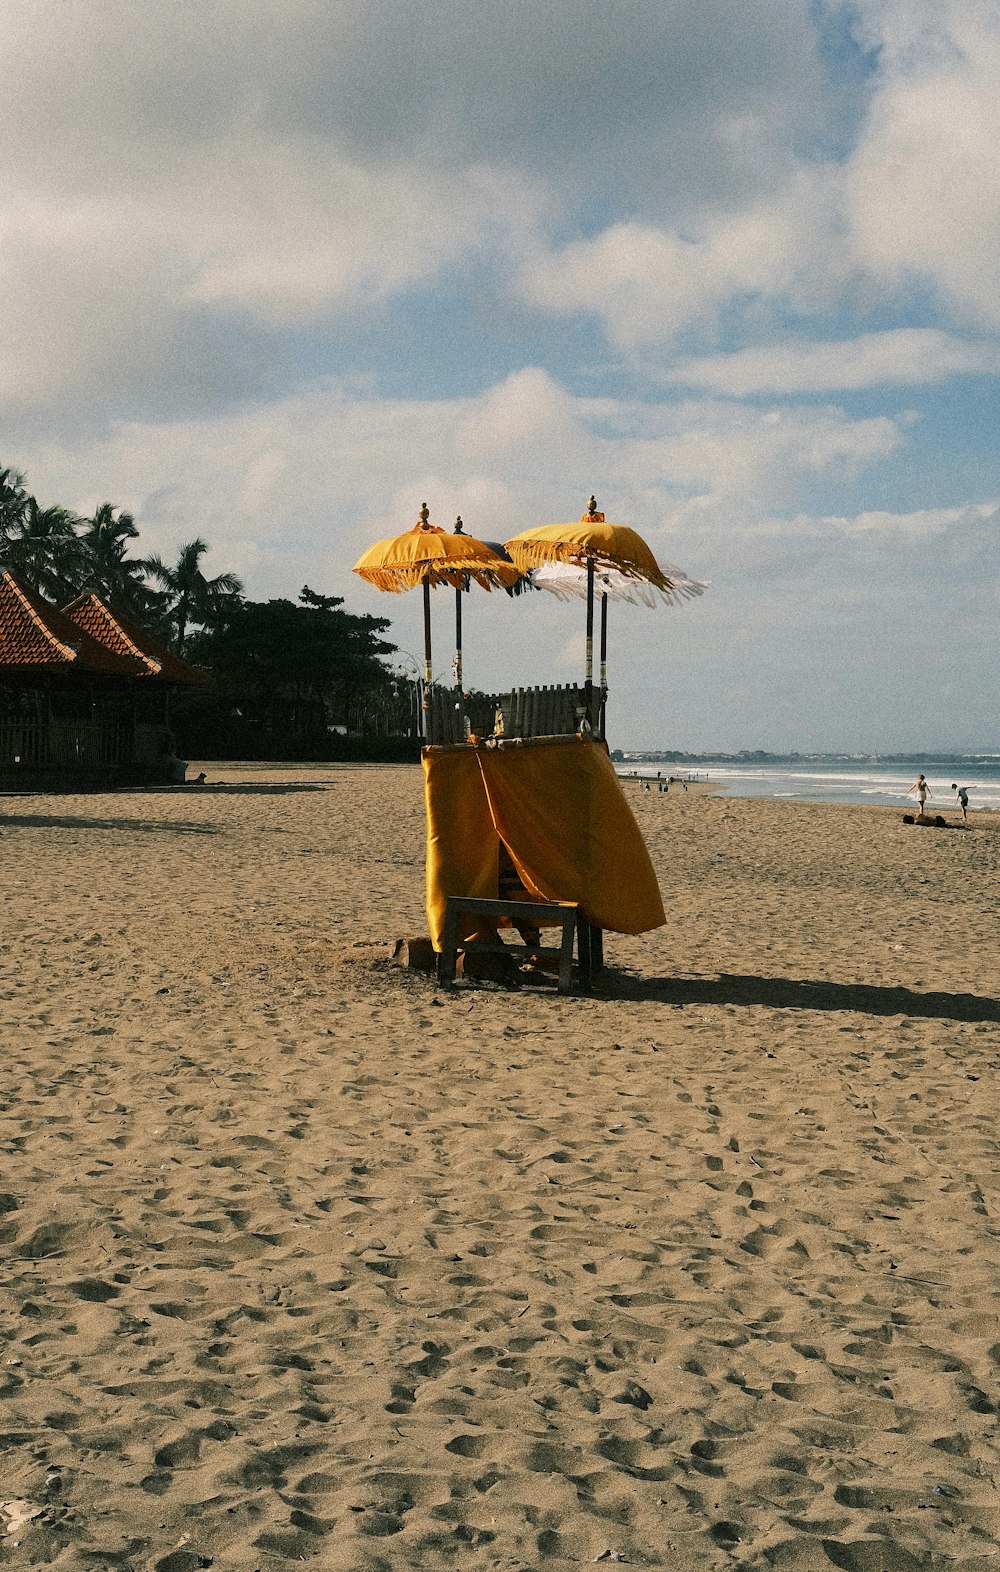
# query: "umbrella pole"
x,y
458,638
588,686
428,678
604,660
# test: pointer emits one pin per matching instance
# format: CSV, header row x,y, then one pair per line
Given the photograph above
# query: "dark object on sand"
x,y
907,818
417,955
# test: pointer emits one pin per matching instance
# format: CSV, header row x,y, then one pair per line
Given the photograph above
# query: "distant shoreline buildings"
x,y
760,756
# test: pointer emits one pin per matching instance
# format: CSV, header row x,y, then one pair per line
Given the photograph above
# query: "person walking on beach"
x,y
962,792
923,791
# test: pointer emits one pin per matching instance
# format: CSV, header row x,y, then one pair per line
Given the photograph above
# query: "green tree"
x,y
191,599
291,672
43,548
13,502
107,566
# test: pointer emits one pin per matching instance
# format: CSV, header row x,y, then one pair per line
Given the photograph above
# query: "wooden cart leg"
x,y
448,958
583,950
597,951
566,954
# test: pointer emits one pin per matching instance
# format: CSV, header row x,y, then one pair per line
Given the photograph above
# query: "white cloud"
x,y
914,206
566,86
528,418
762,456
188,191
321,474
904,357
922,188
648,284
292,249
184,184
923,522
178,292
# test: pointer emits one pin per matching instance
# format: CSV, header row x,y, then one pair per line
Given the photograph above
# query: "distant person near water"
x,y
922,791
962,793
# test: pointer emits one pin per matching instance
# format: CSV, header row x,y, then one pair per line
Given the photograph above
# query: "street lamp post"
x,y
418,690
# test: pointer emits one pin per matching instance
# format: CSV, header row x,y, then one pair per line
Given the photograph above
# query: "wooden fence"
x,y
74,744
24,742
557,711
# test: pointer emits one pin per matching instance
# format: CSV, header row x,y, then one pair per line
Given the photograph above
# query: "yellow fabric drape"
x,y
561,813
462,843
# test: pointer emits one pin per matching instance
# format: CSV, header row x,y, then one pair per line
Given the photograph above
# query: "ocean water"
x,y
836,781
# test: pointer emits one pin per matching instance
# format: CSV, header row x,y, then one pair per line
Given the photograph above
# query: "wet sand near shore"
x,y
303,1261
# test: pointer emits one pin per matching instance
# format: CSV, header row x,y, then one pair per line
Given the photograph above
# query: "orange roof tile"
x,y
35,636
120,634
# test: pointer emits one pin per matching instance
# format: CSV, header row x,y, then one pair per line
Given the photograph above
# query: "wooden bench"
x,y
562,914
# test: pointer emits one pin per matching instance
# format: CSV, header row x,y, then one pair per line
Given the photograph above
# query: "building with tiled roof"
x,y
75,709
124,637
37,638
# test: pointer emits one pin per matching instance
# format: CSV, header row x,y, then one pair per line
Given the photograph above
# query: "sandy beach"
x,y
304,1261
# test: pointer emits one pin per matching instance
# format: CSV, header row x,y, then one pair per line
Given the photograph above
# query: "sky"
x,y
275,272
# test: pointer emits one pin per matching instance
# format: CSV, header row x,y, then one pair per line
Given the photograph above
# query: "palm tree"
x,y
191,598
13,501
108,567
43,548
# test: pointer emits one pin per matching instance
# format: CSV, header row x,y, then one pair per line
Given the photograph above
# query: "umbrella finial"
x,y
459,526
425,514
592,516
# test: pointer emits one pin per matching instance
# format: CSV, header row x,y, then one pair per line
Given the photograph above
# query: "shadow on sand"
x,y
191,789
54,821
229,789
788,993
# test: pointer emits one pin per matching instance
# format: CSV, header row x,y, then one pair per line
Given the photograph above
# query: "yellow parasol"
x,y
427,555
594,545
590,540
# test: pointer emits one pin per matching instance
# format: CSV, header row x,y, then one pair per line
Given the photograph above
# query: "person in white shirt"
x,y
922,791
